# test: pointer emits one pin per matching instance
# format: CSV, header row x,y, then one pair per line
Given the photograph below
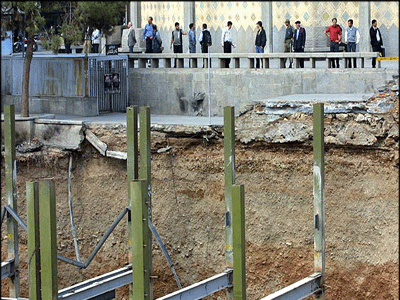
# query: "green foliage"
x,y
55,44
103,14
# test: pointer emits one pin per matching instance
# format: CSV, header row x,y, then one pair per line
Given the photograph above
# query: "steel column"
x,y
137,196
229,176
145,174
11,195
48,239
319,194
132,162
32,199
239,243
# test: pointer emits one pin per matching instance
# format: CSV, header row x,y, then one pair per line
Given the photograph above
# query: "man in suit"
x,y
299,41
376,40
131,37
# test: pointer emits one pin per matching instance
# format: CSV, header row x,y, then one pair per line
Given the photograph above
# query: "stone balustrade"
x,y
169,60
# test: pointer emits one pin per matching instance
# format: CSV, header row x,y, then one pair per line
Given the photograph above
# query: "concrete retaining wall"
x,y
179,91
80,106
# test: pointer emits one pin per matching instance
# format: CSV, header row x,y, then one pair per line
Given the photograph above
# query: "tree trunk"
x,y
25,78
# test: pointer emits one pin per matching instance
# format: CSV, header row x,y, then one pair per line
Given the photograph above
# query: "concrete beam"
x,y
365,24
267,20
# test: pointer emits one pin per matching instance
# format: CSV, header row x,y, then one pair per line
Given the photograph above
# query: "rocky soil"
x,y
274,161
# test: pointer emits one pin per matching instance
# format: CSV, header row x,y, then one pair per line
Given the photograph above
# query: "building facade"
x,y
245,14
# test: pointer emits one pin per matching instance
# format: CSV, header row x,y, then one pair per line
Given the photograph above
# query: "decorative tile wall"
x,y
314,13
164,14
217,13
386,13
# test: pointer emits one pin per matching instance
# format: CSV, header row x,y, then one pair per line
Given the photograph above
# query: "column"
x,y
266,19
188,14
136,14
364,26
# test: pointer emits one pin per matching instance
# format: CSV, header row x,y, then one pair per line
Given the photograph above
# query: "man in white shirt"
x,y
95,39
227,42
352,38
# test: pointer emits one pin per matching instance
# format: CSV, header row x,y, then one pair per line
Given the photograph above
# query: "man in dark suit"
x,y
299,41
376,40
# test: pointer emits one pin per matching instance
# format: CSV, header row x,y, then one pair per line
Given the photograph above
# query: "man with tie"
x,y
299,41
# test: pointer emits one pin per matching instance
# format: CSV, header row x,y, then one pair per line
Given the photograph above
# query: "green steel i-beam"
x,y
48,239
137,196
239,243
11,195
229,176
319,194
145,174
32,203
132,160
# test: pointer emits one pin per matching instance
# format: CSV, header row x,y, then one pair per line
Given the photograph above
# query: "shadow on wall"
x,y
192,104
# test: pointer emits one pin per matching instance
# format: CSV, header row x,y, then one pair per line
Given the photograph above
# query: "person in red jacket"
x,y
335,36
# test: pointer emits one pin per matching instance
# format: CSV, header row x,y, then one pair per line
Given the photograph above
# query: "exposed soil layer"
x,y
188,212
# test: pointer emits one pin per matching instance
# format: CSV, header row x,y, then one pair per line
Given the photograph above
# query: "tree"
x,y
27,13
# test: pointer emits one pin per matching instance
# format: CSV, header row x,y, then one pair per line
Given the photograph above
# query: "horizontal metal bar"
x,y
298,290
203,288
16,217
7,268
98,285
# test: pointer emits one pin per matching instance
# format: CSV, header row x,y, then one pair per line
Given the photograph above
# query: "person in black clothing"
x,y
261,40
205,41
376,40
299,41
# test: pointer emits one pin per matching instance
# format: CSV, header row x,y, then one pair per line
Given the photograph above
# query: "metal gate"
x,y
108,82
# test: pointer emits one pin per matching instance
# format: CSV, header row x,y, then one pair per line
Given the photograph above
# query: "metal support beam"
x,y
319,194
98,285
229,176
138,190
239,243
145,174
132,163
203,288
32,199
7,268
11,195
298,290
48,239
164,250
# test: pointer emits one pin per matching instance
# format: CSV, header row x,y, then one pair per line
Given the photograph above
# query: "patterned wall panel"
x,y
386,13
314,13
217,13
164,14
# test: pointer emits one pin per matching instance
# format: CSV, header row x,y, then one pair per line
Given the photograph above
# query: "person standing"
x,y
299,41
87,45
288,41
335,36
205,41
261,40
131,37
352,38
376,40
192,38
176,39
148,35
95,39
157,42
227,42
